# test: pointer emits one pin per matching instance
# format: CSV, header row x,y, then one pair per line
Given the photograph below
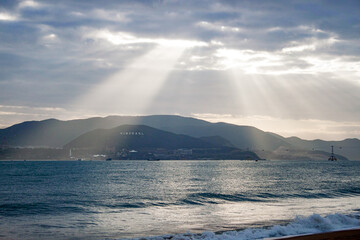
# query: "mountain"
x,y
135,137
217,140
283,153
243,137
349,148
56,133
143,142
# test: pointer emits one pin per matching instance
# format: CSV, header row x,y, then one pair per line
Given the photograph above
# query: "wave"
x,y
19,209
216,198
68,203
300,225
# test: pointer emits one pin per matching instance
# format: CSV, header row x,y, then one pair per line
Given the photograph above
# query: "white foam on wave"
x,y
301,225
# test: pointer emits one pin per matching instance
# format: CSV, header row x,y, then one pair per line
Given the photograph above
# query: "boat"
x,y
108,159
332,156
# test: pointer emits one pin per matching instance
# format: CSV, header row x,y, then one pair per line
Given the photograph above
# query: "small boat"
x,y
108,159
332,156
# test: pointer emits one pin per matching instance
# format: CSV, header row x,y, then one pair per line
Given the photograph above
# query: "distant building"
x,y
132,133
183,152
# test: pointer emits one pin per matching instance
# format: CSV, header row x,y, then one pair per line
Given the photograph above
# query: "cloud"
x,y
122,38
115,16
240,58
4,16
216,27
17,113
29,4
249,61
310,44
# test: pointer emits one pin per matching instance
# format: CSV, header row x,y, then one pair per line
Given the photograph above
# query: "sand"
x,y
352,234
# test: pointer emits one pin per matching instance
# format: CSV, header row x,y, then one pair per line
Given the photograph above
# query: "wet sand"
x,y
352,234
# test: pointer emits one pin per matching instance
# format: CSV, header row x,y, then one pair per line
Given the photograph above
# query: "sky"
x,y
289,67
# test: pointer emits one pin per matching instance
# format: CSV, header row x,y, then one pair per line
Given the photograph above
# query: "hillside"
x,y
135,137
56,133
349,148
217,140
143,142
283,153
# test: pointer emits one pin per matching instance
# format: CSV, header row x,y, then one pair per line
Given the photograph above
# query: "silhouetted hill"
x,y
143,142
283,153
348,147
244,137
217,140
135,137
56,133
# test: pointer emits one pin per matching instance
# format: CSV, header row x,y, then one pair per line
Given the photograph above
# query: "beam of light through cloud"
x,y
306,129
248,60
132,89
295,99
285,62
237,59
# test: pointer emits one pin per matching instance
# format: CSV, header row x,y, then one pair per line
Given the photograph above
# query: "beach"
x,y
351,234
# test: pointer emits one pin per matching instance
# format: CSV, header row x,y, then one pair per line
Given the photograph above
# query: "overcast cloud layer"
x,y
291,67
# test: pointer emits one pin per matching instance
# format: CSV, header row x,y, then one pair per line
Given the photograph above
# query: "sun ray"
x,y
129,91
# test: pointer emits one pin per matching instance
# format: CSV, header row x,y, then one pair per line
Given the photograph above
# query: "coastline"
x,y
348,234
315,227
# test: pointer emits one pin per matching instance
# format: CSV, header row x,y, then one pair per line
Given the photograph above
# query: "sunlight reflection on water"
x,y
125,199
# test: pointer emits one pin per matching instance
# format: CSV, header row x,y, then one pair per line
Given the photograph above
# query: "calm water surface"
x,y
127,199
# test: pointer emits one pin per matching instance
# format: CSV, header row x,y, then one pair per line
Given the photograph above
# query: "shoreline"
x,y
348,234
314,227
340,234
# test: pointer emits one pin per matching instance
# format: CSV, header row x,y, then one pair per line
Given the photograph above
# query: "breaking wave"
x,y
300,225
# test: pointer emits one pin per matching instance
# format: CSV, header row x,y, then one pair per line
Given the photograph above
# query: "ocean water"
x,y
176,199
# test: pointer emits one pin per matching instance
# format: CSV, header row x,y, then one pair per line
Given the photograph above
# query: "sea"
x,y
184,199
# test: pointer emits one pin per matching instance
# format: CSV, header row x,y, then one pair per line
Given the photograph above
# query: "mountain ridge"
x,y
56,133
135,136
144,142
